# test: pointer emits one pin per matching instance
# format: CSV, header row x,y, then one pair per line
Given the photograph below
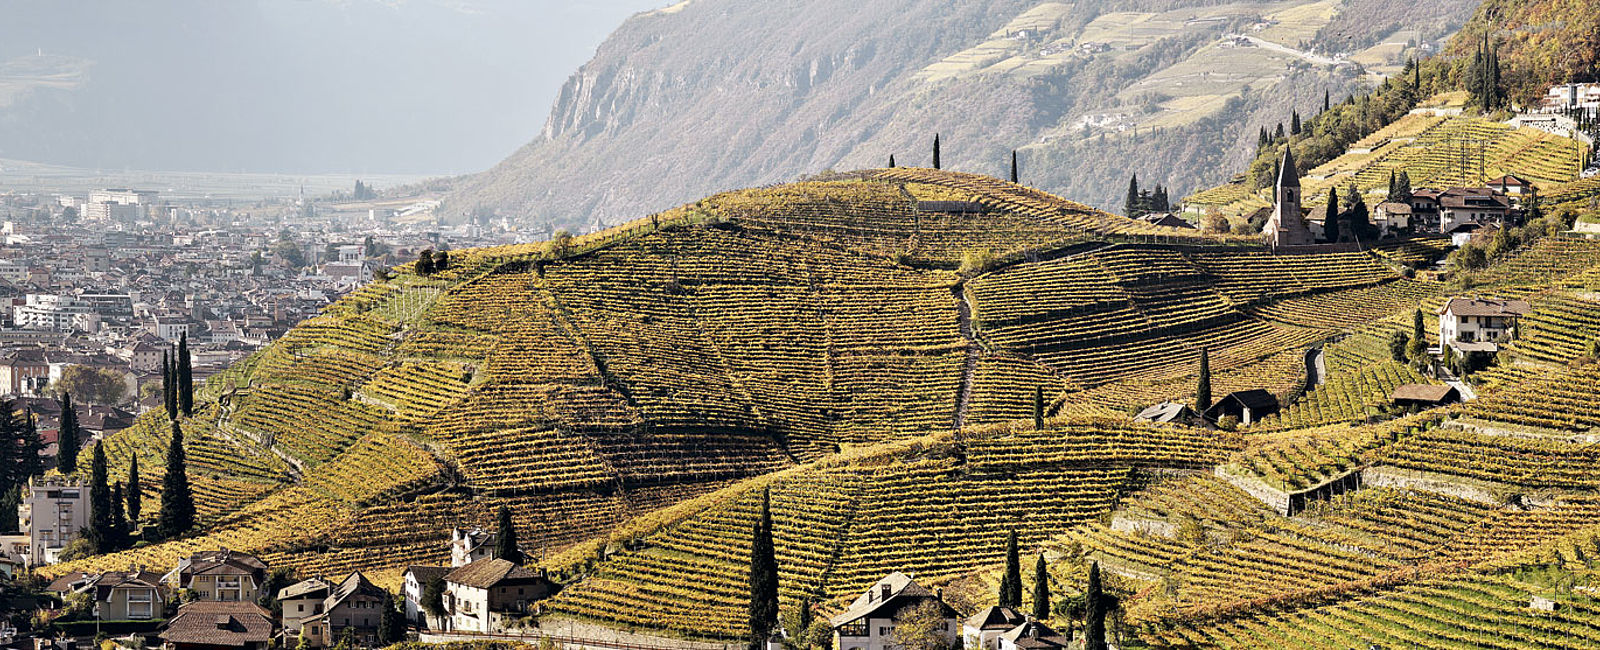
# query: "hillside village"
x,y
904,408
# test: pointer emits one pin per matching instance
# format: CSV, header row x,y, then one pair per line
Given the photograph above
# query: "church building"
x,y
1287,226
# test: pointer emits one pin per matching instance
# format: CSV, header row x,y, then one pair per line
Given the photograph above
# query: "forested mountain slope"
x,y
683,102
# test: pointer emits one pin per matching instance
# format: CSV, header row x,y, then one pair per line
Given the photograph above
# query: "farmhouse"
x,y
485,595
1032,635
869,623
1478,324
1169,412
356,604
1392,217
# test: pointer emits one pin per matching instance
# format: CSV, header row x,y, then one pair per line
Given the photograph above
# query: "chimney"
x,y
884,593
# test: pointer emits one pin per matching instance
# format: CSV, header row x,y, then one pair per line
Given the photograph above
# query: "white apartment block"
x,y
53,510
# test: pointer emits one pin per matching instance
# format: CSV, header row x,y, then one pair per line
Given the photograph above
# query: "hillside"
x,y
1154,83
742,334
872,357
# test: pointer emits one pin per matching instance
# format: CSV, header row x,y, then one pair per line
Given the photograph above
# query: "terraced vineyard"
x,y
628,396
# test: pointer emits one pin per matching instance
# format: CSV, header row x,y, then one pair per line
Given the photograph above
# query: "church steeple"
x,y
1288,173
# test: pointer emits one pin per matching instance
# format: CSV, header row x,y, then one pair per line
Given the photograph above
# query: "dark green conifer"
x,y
1014,167
1130,204
1094,620
506,547
177,501
135,500
101,527
763,576
1041,590
891,161
1038,408
1011,580
185,377
936,164
1202,390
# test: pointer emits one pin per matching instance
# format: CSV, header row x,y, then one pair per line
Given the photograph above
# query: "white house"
x,y
982,631
468,546
1479,324
416,581
487,595
869,623
302,601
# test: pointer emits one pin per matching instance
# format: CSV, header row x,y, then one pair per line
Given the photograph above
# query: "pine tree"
x,y
101,529
185,377
1330,216
1011,580
936,164
1403,186
1202,391
1094,620
441,260
506,547
134,498
390,630
1041,590
177,501
1014,167
1130,206
763,576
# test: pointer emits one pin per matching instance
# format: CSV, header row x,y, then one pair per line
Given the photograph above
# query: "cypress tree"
x,y
1330,216
177,501
119,518
1279,135
1041,590
101,529
1417,330
506,543
169,385
1011,581
1326,104
891,161
185,377
936,164
1202,390
29,463
1403,186
1294,123
1130,205
1038,407
1014,167
1094,620
10,454
763,576
134,498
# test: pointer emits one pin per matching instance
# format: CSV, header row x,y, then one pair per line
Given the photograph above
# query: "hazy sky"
x,y
309,86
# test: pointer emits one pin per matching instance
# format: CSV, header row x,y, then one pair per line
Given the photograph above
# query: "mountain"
x,y
682,102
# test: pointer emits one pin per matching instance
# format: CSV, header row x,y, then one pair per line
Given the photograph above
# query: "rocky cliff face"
x,y
717,94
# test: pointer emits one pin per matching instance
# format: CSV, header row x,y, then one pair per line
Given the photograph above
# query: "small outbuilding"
x,y
1249,406
1424,396
1169,412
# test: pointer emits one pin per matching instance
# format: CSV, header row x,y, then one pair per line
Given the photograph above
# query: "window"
x,y
300,607
884,630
